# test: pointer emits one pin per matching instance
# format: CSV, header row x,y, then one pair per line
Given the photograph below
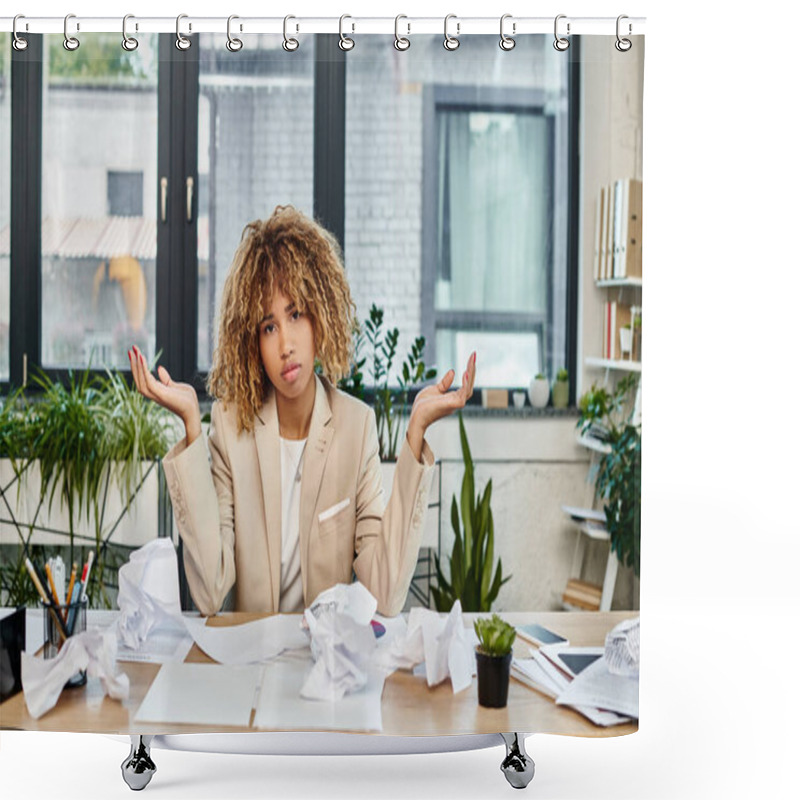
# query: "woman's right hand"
x,y
179,398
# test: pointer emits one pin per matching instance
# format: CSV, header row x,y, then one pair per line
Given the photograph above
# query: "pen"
x,y
73,608
56,601
68,597
85,577
39,588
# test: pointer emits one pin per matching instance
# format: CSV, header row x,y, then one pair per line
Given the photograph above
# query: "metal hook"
x,y
345,42
400,42
70,42
128,42
623,45
233,44
506,42
451,42
181,42
18,43
289,44
560,44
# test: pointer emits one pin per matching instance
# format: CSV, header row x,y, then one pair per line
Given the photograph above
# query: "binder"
x,y
598,232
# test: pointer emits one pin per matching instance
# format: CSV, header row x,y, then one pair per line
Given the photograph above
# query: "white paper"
x,y
280,706
622,649
162,645
201,694
93,650
531,673
248,643
596,686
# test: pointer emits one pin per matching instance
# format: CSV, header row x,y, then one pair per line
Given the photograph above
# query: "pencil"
x,y
45,599
68,598
56,601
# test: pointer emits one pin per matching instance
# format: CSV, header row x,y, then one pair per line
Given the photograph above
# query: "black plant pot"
x,y
493,676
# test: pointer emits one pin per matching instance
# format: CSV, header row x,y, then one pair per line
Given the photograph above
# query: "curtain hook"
x,y
400,42
289,44
560,43
128,42
18,42
70,42
451,42
181,42
233,44
623,45
345,42
506,42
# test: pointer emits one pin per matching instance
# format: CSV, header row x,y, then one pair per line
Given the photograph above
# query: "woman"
x,y
292,501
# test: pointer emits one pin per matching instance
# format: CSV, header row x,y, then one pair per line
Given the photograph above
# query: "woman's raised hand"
x,y
179,398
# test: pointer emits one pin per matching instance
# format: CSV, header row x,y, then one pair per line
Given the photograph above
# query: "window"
x,y
5,201
125,194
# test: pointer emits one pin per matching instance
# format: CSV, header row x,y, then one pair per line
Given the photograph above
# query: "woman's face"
x,y
286,344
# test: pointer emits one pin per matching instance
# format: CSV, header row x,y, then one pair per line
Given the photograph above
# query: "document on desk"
x,y
249,643
280,706
596,686
163,644
201,694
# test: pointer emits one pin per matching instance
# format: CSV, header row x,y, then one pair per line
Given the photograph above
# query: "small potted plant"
x,y
493,656
539,392
561,389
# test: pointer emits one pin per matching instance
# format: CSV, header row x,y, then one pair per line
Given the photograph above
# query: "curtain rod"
x,y
406,26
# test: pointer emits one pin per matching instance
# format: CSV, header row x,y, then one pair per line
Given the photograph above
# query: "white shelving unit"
x,y
605,363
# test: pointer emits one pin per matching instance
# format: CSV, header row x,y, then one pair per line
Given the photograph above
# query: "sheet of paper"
x,y
280,706
529,672
596,686
160,646
249,643
201,694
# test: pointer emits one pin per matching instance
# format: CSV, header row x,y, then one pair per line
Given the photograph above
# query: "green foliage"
x,y
390,404
472,559
539,377
619,475
353,384
99,60
562,375
495,635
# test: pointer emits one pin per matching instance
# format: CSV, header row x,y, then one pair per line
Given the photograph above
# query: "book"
x,y
582,594
608,240
630,254
598,231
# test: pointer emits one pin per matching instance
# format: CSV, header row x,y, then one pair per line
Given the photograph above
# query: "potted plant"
x,y
471,561
626,341
561,389
619,474
539,392
493,657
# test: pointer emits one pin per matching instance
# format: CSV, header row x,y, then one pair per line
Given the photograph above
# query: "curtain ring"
x,y
400,42
506,42
623,45
181,42
70,42
128,42
233,44
451,42
560,43
345,42
18,42
289,44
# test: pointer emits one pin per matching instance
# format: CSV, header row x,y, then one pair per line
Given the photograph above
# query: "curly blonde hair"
x,y
294,254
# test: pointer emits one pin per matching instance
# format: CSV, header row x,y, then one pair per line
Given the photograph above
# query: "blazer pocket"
x,y
331,517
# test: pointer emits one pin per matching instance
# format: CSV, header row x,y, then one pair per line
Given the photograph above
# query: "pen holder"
x,y
71,619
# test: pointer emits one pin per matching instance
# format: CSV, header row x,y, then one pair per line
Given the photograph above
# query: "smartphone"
x,y
540,635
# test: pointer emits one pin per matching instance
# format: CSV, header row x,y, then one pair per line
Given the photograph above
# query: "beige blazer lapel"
x,y
267,435
318,446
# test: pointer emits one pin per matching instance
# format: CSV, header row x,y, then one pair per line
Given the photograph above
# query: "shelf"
x,y
593,444
619,283
605,363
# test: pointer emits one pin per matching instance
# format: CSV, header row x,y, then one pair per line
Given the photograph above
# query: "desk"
x,y
409,707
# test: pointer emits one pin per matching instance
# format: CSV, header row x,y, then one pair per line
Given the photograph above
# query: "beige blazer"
x,y
228,512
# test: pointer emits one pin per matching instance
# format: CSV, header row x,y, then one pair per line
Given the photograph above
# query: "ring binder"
x,y
401,42
128,42
345,42
18,42
70,42
506,42
451,42
289,44
181,42
561,43
233,44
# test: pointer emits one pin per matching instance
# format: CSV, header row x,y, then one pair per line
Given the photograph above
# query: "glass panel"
x,y
255,151
5,199
99,201
479,139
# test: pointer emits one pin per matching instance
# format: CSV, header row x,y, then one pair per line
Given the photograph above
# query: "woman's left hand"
x,y
435,402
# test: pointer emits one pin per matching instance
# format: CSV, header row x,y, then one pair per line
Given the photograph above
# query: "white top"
x,y
291,475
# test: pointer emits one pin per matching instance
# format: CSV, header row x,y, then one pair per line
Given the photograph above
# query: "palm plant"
x,y
472,558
